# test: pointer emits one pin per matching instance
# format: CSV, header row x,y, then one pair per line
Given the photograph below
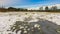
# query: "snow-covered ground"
x,y
7,19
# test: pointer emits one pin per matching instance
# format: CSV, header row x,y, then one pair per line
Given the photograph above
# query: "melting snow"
x,y
7,19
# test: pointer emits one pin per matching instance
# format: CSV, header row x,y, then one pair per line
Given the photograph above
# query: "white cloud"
x,y
37,6
8,2
58,6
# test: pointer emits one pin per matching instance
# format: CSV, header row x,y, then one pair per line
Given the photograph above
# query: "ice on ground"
x,y
8,19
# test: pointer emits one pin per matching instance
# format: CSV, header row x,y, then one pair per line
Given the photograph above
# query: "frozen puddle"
x,y
9,19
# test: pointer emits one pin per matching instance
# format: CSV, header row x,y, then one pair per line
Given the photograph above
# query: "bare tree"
x,y
46,8
41,8
54,8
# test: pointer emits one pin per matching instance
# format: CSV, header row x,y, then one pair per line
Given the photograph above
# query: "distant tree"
x,y
54,8
25,9
41,8
16,9
22,9
10,8
46,8
2,9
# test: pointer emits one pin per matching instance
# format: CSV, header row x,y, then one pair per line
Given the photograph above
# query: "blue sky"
x,y
28,3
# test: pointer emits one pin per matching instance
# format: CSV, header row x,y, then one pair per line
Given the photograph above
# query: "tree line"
x,y
12,9
53,8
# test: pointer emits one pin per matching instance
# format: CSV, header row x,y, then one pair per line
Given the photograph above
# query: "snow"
x,y
8,19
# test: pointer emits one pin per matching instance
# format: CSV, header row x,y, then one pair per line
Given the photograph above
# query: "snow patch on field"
x,y
8,19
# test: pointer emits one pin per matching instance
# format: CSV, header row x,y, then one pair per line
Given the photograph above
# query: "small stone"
x,y
32,27
25,31
28,29
21,27
26,26
32,30
36,25
13,27
38,28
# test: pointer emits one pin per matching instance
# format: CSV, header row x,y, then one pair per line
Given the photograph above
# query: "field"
x,y
9,18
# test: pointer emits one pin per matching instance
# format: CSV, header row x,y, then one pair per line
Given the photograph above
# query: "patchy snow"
x,y
8,19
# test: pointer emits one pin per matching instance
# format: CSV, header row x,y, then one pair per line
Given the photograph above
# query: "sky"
x,y
28,3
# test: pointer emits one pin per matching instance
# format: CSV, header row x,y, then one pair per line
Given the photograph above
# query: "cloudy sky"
x,y
28,3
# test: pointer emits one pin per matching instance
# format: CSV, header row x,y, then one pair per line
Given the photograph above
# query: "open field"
x,y
9,18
